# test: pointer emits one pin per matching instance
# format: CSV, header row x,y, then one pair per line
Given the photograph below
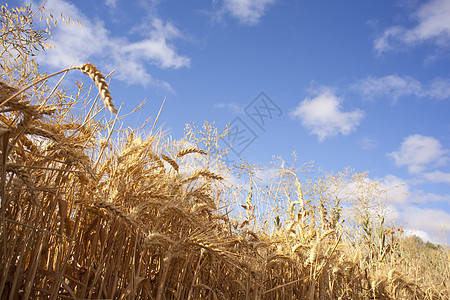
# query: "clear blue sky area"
x,y
351,83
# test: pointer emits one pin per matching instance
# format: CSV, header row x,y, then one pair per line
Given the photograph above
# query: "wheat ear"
x,y
173,163
190,150
90,70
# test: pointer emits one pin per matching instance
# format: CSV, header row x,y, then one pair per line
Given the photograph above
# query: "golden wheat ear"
x,y
90,70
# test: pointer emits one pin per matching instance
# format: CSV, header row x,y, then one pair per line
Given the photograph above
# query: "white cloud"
x,y
432,24
395,87
324,117
392,213
378,198
389,191
419,152
433,220
247,11
74,44
266,176
396,189
425,236
437,176
398,192
157,51
395,197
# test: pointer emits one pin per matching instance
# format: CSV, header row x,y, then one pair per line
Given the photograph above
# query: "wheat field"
x,y
93,211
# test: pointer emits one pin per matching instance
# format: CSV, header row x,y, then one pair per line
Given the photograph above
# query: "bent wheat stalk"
x,y
88,69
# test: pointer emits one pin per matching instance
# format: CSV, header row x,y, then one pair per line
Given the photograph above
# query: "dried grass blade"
x,y
157,116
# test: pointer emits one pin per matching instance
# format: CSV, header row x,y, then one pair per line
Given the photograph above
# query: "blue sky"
x,y
360,84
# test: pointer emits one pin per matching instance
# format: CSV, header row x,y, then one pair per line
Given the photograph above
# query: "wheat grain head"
x,y
90,70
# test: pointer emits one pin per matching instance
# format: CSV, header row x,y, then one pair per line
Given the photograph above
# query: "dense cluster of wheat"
x,y
89,211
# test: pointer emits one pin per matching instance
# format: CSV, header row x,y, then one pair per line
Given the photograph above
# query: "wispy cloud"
x,y
437,176
419,196
400,191
418,153
111,3
323,115
232,106
368,143
394,87
439,89
74,44
247,11
432,25
432,220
